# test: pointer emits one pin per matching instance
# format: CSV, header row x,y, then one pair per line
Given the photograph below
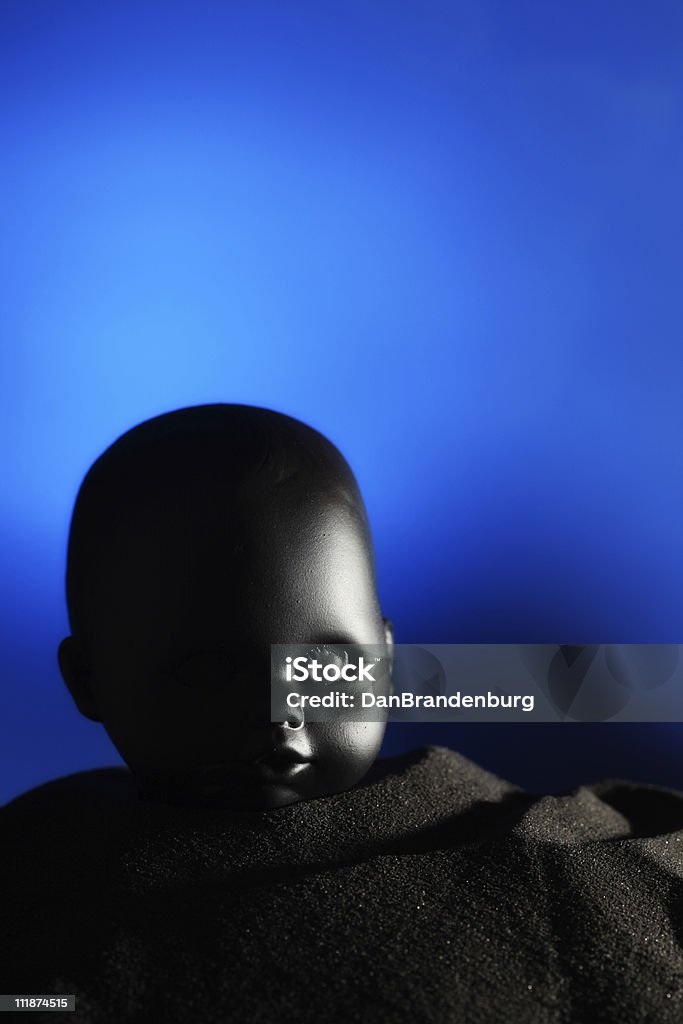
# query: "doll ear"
x,y
389,640
77,675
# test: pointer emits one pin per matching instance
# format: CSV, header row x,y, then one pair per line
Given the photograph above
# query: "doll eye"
x,y
331,652
336,654
206,670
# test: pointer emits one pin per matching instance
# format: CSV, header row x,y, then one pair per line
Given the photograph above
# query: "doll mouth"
x,y
276,763
272,766
281,763
282,757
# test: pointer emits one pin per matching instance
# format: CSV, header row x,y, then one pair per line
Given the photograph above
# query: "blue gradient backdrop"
x,y
446,234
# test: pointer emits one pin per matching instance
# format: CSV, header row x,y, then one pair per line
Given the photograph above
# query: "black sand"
x,y
434,892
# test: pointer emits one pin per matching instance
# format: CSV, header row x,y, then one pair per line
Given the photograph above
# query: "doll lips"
x,y
273,765
278,763
282,760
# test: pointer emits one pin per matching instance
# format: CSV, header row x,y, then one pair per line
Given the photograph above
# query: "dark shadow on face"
x,y
199,539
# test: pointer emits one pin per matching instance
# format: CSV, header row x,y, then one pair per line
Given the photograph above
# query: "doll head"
x,y
198,539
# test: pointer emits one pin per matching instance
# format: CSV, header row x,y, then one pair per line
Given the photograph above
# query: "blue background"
x,y
447,234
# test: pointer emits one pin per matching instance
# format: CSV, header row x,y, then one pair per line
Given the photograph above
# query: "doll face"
x,y
180,656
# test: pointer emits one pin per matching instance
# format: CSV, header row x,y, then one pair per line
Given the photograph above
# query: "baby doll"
x,y
198,540
247,870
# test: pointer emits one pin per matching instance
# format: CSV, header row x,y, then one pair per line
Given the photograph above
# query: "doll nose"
x,y
295,721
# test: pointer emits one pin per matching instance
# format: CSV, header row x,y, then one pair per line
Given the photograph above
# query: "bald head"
x,y
212,483
210,533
